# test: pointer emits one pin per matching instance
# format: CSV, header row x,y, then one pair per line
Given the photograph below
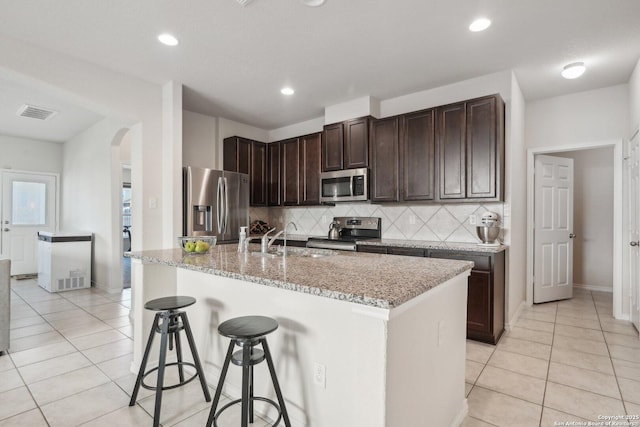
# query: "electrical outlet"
x,y
153,203
412,219
324,219
473,220
319,374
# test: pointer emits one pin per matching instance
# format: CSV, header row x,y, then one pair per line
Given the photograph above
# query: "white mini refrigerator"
x,y
64,260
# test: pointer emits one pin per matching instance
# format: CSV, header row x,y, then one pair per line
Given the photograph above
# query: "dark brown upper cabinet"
x,y
418,144
290,171
258,174
273,174
310,153
356,143
451,151
333,148
247,156
384,152
345,145
485,148
236,155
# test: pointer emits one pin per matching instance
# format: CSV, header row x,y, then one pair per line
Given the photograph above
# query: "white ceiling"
x,y
233,60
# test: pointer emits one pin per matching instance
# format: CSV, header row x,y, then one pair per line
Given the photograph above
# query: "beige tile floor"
x,y
563,361
71,353
69,366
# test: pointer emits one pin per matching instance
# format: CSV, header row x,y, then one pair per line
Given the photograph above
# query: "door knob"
x,y
634,243
572,236
6,229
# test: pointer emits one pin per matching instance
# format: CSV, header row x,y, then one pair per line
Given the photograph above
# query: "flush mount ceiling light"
x,y
168,39
573,70
287,91
312,3
480,24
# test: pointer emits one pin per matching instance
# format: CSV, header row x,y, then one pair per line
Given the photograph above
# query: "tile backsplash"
x,y
444,223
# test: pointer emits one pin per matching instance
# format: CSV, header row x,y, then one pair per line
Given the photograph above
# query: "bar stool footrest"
x,y
263,399
169,387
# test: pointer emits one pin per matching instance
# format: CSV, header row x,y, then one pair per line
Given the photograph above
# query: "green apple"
x,y
202,246
190,246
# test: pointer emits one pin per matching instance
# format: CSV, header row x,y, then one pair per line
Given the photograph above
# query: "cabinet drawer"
x,y
406,251
482,262
372,249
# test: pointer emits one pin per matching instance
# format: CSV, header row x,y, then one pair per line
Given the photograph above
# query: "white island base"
x,y
398,367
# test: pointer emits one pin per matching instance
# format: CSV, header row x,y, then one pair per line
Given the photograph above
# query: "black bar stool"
x,y
167,322
247,332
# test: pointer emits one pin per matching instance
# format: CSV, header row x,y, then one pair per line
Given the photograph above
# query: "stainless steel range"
x,y
352,229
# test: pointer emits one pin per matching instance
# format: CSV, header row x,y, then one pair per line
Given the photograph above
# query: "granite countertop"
x,y
426,244
384,281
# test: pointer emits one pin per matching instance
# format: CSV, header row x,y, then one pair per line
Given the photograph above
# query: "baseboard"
x,y
597,288
509,325
461,415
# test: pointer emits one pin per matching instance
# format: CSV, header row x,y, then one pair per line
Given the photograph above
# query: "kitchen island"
x,y
364,339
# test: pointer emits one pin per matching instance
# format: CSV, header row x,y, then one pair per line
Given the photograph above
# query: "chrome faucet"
x,y
266,243
285,234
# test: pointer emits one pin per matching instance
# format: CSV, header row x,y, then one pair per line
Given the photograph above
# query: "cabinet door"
x,y
418,152
258,175
236,156
310,147
385,157
451,151
273,174
356,143
479,305
332,148
484,148
290,171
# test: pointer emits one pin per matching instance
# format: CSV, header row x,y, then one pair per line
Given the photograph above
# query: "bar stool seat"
x,y
248,332
169,321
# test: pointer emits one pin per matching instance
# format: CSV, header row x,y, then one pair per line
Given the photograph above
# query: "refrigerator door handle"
x,y
219,205
226,205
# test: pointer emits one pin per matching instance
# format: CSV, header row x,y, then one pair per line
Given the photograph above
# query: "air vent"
x,y
36,112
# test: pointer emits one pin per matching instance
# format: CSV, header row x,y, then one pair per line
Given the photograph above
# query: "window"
x,y
126,205
29,203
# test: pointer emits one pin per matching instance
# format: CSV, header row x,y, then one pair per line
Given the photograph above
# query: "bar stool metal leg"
x,y
246,365
176,335
223,375
196,358
274,378
143,364
164,332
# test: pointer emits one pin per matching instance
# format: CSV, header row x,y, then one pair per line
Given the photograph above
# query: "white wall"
x,y
297,129
199,140
30,155
86,189
591,116
515,211
593,217
634,99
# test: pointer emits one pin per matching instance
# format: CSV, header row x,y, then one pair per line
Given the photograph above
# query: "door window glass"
x,y
29,204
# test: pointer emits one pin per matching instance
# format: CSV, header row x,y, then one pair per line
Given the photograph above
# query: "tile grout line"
x,y
546,380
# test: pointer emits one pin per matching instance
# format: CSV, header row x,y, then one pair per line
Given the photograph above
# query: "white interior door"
x,y
553,229
633,226
28,206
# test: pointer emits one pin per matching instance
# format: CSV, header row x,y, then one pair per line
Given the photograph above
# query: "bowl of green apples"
x,y
196,245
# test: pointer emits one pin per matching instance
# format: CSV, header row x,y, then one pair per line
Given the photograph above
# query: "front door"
x,y
633,226
28,206
553,229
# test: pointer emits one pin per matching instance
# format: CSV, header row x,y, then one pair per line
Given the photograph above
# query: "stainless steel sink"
x,y
307,252
267,254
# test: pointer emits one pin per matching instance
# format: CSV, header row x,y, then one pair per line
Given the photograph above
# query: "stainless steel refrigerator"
x,y
215,203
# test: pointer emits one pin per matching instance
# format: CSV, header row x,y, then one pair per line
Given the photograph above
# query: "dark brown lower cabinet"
x,y
485,291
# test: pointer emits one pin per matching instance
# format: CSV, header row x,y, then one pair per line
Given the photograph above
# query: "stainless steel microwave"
x,y
349,185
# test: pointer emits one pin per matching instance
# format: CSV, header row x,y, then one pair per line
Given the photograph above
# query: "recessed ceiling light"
x,y
574,70
168,39
480,24
287,91
312,3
